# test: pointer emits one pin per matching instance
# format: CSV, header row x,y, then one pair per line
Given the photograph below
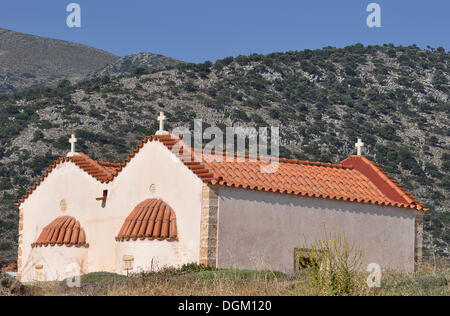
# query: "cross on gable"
x,y
72,142
359,145
161,119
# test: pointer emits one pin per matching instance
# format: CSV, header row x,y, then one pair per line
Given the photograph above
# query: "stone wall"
x,y
418,242
19,249
208,229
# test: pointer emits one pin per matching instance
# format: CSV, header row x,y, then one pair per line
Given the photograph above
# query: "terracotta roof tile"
x,y
388,186
150,219
63,231
102,171
355,179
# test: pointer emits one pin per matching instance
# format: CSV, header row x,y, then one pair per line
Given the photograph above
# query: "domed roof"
x,y
63,231
150,219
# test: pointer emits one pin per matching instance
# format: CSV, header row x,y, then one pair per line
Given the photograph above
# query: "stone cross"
x,y
359,145
72,142
161,119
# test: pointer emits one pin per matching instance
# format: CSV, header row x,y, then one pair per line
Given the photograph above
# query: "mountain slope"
x,y
28,60
396,98
143,62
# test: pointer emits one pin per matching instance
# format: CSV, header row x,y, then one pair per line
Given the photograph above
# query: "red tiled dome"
x,y
63,231
151,219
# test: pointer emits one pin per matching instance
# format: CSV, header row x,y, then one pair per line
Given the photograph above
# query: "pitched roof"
x,y
100,170
347,181
356,179
151,219
63,231
384,182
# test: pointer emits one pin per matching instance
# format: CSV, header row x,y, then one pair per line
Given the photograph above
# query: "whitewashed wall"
x,y
79,190
176,185
260,230
154,164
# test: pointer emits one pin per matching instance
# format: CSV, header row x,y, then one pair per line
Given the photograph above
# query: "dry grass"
x,y
333,267
175,282
169,282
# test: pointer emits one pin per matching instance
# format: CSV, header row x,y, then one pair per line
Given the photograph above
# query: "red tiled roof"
x,y
337,182
63,231
102,171
356,179
384,182
151,219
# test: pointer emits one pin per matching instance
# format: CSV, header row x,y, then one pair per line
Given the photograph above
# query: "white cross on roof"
x,y
161,119
72,142
359,145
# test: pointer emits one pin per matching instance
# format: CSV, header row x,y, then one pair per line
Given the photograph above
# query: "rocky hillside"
x,y
139,64
395,98
28,60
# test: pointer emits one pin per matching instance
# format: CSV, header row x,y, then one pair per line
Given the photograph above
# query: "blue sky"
x,y
199,30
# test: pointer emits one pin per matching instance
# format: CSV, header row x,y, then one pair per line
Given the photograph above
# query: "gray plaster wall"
x,y
260,230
